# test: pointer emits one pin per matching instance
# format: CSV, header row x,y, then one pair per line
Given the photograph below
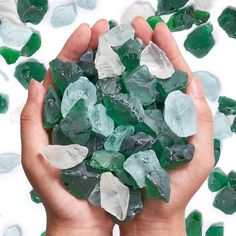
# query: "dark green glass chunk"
x,y
64,73
32,11
52,109
169,6
225,200
193,224
178,81
59,138
182,19
227,21
4,103
153,21
201,17
112,24
217,180
215,230
129,53
140,83
34,197
43,234
76,125
227,106
176,156
232,179
200,41
217,150
124,109
10,55
32,46
135,143
81,180
29,70
233,127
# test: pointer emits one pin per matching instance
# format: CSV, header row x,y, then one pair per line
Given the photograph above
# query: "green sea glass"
x,y
153,21
34,197
10,55
227,106
169,6
4,103
193,224
217,180
215,230
32,46
201,17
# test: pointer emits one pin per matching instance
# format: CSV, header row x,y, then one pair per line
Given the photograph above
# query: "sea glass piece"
x,y
81,180
227,106
80,89
52,108
14,35
114,141
10,55
64,73
225,200
4,103
63,15
193,224
233,127
227,21
215,230
87,4
32,46
140,8
112,23
29,70
79,134
217,150
8,162
153,21
32,11
4,75
156,61
200,41
95,196
210,83
101,122
140,83
232,179
217,180
114,196
182,19
176,156
59,138
221,126
43,234
201,17
14,230
169,6
35,197
180,114
64,157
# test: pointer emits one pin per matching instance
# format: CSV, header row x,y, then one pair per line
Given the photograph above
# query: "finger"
x,y
142,29
100,28
203,160
165,40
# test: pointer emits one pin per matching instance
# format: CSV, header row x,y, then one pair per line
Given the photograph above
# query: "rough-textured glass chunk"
x,y
8,162
32,11
232,179
64,157
215,230
140,83
210,83
169,6
112,23
101,122
233,127
4,103
217,180
87,4
227,21
143,9
156,61
64,15
34,197
227,106
114,141
200,41
10,55
221,126
29,70
153,21
180,114
80,89
201,17
14,230
59,138
193,224
217,150
114,196
225,200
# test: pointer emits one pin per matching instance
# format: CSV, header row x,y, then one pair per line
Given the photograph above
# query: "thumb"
x,y
203,139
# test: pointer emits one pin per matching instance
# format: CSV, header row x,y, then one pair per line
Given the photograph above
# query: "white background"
x,y
15,204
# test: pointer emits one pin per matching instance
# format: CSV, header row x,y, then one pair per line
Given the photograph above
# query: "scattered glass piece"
x,y
8,162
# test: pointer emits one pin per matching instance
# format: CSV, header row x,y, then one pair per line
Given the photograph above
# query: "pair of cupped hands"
x,y
67,215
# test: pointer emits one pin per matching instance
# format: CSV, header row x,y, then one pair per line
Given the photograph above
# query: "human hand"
x,y
66,215
158,217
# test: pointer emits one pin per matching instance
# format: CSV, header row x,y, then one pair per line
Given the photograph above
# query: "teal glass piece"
x,y
87,4
169,6
193,224
8,162
222,129
34,197
4,103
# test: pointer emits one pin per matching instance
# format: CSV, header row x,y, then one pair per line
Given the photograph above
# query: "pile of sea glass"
x,y
119,119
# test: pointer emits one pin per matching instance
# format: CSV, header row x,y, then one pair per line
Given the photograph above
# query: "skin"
x,y
67,215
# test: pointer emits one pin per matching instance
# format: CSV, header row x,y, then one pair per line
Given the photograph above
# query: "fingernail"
x,y
33,89
195,89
